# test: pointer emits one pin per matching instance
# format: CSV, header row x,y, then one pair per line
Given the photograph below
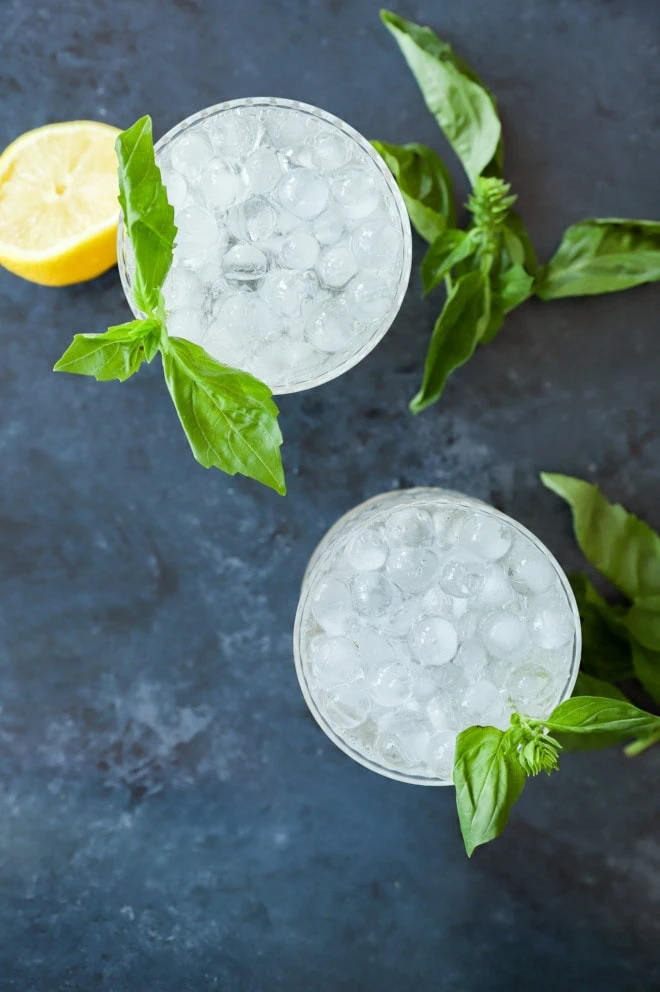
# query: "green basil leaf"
x,y
115,354
229,416
602,256
589,685
451,247
462,106
489,779
642,744
643,622
646,664
425,185
606,650
148,216
456,334
518,244
592,716
512,286
622,547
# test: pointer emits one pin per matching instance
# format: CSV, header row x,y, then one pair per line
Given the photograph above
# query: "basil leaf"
x,y
489,779
462,106
589,685
449,248
606,650
646,664
229,416
425,185
622,547
602,256
512,286
115,354
643,622
593,716
148,216
518,244
456,334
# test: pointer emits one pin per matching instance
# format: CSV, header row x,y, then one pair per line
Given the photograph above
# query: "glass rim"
x,y
322,552
347,129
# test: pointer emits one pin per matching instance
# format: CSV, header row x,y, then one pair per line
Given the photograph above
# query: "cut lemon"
x,y
58,203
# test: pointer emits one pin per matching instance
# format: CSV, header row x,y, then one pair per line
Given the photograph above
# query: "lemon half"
x,y
58,203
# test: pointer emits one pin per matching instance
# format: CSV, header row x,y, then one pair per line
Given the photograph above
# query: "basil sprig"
x,y
620,641
229,417
595,255
491,766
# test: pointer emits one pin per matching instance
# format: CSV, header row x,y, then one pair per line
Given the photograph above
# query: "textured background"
x,y
171,818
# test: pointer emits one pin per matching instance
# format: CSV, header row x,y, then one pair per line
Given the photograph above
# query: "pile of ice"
x,y
289,250
428,619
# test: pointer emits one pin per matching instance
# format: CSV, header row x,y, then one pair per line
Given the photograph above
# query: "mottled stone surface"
x,y
171,818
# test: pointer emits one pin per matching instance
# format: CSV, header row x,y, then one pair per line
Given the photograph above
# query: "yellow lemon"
x,y
58,203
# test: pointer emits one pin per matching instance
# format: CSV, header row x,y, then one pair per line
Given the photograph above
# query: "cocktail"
x,y
293,247
423,612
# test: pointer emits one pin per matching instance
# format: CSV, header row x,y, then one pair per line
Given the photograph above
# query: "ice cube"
x,y
299,250
347,706
331,605
366,551
532,690
330,151
529,571
180,286
433,641
190,151
409,526
439,712
333,660
440,753
398,621
304,193
178,193
224,347
483,706
285,127
220,185
197,232
233,134
337,265
374,594
252,220
329,226
436,603
472,660
389,684
488,536
551,624
413,569
287,222
328,327
447,524
186,322
373,649
355,191
390,750
244,263
496,590
245,317
413,734
262,170
272,363
374,243
503,634
369,297
463,574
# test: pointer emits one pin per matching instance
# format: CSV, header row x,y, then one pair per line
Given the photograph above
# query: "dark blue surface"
x,y
171,818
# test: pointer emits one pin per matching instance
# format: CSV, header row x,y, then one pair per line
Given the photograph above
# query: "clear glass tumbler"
x,y
293,248
423,612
